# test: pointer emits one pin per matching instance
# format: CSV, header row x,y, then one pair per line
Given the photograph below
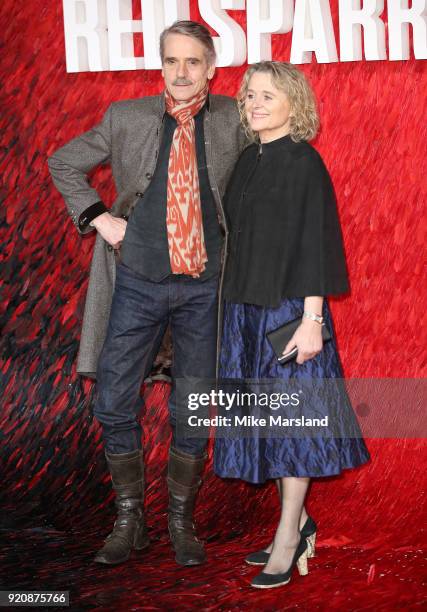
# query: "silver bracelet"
x,y
313,317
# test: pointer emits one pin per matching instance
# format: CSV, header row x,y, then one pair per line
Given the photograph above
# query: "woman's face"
x,y
267,108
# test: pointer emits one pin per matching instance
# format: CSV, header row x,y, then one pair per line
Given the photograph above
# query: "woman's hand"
x,y
308,339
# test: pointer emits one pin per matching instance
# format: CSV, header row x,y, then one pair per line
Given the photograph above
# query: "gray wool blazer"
x,y
128,138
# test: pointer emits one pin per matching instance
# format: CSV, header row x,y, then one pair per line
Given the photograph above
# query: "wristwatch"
x,y
313,317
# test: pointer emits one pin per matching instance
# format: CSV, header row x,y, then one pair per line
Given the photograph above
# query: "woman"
x,y
286,255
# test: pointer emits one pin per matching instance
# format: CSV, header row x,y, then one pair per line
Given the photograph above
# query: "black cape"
x,y
285,235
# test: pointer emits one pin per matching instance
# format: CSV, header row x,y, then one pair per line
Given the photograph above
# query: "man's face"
x,y
185,69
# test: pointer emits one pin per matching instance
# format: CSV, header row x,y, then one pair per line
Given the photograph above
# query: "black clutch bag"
x,y
280,337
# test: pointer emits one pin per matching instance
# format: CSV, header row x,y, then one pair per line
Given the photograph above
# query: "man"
x,y
171,157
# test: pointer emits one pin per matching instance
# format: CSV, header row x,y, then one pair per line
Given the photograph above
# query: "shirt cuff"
x,y
91,213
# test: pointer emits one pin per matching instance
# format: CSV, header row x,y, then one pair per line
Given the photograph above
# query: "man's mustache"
x,y
182,82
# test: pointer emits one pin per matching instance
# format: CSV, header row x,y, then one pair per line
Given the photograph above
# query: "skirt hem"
x,y
293,475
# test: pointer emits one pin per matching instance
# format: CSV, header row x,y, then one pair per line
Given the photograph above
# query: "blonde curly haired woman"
x,y
285,257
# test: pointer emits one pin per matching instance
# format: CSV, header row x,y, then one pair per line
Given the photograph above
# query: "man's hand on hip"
x,y
112,229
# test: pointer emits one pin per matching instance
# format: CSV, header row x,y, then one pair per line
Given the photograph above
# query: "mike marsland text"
x,y
251,421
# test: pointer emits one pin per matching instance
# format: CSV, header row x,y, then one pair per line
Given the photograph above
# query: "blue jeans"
x,y
140,312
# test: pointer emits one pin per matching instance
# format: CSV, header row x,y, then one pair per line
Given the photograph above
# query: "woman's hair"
x,y
304,123
195,30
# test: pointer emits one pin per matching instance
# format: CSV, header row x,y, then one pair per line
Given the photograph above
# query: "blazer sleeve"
x,y
321,248
70,165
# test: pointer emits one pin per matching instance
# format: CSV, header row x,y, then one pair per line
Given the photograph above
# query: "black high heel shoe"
x,y
308,531
269,581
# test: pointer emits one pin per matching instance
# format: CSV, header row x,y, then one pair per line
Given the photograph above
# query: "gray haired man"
x,y
158,261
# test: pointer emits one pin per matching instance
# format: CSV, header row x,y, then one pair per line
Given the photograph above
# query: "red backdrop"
x,y
56,495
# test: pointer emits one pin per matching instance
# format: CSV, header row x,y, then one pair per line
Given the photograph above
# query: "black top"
x,y
285,236
145,245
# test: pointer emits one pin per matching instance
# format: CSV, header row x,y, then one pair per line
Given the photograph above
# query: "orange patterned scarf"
x,y
184,220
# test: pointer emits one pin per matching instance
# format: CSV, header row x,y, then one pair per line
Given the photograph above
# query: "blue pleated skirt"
x,y
247,354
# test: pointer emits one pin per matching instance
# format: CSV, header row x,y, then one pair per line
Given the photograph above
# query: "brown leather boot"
x,y
183,483
129,532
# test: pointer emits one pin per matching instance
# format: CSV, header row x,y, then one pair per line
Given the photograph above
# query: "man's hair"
x,y
304,123
195,30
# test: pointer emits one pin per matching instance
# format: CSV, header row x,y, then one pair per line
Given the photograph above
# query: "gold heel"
x,y
311,545
302,564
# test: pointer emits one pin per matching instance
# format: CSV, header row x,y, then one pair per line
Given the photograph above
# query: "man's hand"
x,y
112,229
